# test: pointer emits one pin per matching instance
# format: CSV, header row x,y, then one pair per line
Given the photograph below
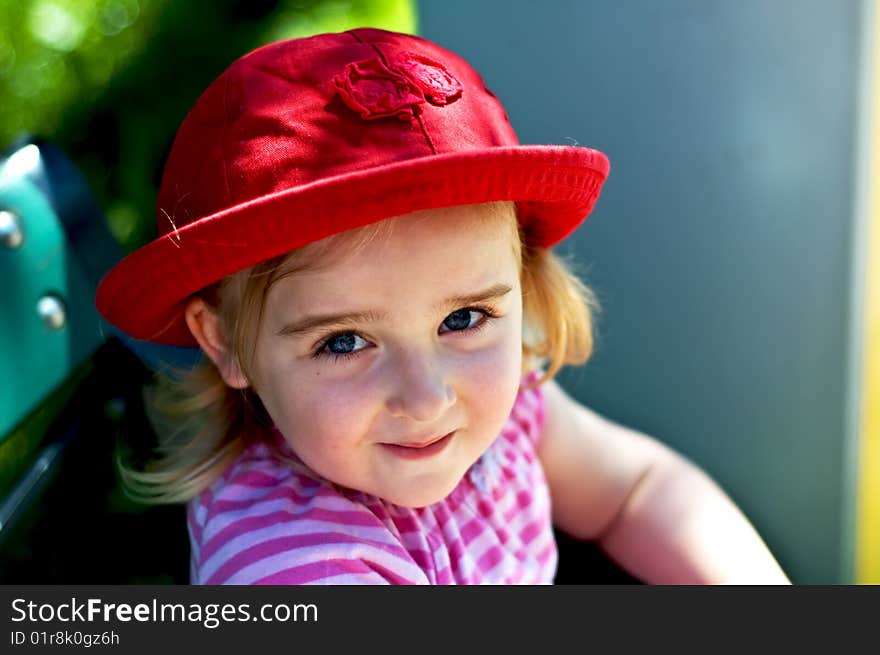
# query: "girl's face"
x,y
391,369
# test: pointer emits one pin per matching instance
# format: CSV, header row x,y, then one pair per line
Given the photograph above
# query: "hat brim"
x,y
145,294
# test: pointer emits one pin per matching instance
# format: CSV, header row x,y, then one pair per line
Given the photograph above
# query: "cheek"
x,y
338,411
493,368
316,414
490,379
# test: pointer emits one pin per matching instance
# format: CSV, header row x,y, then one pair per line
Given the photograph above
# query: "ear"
x,y
205,326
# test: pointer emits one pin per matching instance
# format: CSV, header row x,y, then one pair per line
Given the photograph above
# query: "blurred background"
x,y
734,250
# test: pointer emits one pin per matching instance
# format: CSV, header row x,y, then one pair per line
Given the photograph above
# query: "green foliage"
x,y
110,80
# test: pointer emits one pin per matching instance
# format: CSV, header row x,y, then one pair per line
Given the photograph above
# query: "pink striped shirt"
x,y
268,520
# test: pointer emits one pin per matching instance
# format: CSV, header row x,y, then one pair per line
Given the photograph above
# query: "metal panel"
x,y
48,324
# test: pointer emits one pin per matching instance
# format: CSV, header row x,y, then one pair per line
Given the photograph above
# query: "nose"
x,y
420,388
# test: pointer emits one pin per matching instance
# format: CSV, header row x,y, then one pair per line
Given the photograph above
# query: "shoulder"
x,y
265,522
591,463
570,425
528,414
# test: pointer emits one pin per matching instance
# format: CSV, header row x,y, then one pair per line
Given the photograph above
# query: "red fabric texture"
x,y
309,137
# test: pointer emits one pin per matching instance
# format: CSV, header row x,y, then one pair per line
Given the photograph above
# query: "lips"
x,y
420,449
423,444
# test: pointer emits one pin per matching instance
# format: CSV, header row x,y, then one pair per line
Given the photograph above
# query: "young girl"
x,y
359,245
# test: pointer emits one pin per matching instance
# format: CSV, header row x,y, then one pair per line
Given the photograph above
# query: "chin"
x,y
427,494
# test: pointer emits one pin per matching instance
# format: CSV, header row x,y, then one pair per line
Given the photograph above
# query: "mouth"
x,y
420,450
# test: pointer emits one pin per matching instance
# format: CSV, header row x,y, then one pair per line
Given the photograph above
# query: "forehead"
x,y
485,225
430,249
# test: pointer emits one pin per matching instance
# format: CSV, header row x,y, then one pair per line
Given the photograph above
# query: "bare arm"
x,y
656,514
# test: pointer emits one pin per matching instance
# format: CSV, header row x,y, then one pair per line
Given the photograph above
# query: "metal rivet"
x,y
11,235
51,311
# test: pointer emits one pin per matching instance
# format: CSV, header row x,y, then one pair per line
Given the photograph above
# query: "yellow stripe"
x,y
868,502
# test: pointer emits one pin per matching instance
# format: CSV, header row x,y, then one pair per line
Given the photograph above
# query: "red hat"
x,y
305,138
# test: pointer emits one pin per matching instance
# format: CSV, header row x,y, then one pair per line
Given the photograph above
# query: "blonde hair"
x,y
203,424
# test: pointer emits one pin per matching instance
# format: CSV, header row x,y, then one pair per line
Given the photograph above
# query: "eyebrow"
x,y
311,323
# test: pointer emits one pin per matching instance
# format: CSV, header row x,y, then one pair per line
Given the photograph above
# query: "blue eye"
x,y
460,319
344,344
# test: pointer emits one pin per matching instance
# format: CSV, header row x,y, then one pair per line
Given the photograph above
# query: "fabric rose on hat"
x,y
375,90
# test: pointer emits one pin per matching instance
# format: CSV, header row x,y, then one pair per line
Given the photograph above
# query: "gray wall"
x,y
720,249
